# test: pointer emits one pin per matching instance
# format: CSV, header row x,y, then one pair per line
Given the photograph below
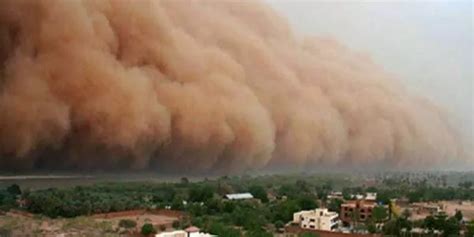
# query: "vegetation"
x,y
127,223
147,229
277,198
8,197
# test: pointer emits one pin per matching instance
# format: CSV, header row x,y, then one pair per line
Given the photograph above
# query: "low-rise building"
x,y
176,233
465,207
335,195
188,232
357,210
317,219
239,196
371,196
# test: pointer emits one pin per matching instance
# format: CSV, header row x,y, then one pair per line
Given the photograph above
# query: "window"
x,y
312,227
362,210
312,220
362,216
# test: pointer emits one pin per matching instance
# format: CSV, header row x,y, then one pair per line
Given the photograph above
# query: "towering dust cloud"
x,y
196,85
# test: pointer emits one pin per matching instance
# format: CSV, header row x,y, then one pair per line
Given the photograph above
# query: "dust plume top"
x,y
197,86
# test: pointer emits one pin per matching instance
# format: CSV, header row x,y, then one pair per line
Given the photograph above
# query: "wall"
x,y
297,230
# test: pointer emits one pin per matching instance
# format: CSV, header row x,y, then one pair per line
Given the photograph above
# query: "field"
x,y
24,224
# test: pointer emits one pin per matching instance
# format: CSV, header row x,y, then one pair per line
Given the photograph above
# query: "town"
x,y
326,204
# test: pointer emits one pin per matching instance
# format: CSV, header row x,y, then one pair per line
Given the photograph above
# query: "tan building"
x,y
466,208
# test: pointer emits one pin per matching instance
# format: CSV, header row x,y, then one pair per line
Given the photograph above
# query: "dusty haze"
x,y
198,86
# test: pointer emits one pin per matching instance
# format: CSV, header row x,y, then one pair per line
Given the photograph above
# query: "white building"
x,y
239,196
335,195
371,196
367,196
188,232
318,219
176,233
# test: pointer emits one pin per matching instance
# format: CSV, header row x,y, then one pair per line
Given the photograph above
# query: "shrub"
x,y
127,223
148,229
176,224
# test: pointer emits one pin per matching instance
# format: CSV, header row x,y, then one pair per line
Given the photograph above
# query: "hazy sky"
x,y
428,45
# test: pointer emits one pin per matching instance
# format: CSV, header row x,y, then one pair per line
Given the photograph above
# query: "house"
x,y
368,196
239,196
335,195
465,207
317,219
420,210
191,231
176,233
371,196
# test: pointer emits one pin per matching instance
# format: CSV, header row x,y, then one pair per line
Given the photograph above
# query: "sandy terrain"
x,y
25,225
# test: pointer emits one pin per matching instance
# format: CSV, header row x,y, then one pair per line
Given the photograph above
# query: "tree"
x,y
395,226
458,215
201,193
14,189
466,184
303,186
259,192
177,204
127,223
176,224
184,180
148,229
379,214
371,227
284,210
307,202
430,223
470,229
451,227
279,224
335,205
229,207
221,230
258,233
406,213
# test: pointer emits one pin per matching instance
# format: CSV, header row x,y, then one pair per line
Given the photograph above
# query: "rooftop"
x,y
237,196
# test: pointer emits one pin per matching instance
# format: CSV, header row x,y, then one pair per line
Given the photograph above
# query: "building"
x,y
465,207
371,196
421,210
176,233
318,219
239,196
357,210
366,196
335,195
191,231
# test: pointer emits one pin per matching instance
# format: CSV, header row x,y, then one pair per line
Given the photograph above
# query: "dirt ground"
x,y
15,224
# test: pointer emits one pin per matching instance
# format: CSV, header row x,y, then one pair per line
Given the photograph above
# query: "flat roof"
x,y
239,196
